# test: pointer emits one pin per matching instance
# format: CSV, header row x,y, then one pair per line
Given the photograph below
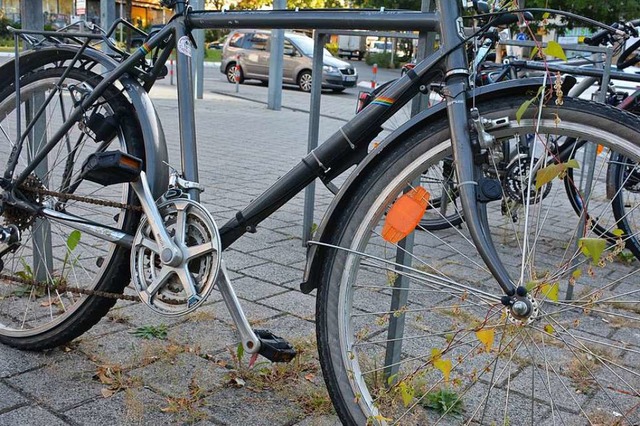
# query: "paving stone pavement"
x,y
109,376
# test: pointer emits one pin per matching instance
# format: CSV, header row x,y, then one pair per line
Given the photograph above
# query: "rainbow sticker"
x,y
145,48
383,101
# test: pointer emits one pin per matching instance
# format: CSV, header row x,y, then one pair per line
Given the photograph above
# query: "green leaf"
x,y
534,52
618,232
546,15
73,239
486,337
554,49
547,174
406,392
572,164
525,105
592,247
550,291
240,351
523,108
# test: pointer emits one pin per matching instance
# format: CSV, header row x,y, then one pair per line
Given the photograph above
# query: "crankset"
x,y
177,289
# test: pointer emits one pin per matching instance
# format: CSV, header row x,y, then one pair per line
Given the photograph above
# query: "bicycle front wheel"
x,y
47,275
432,343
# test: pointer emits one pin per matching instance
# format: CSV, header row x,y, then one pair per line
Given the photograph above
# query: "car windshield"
x,y
305,44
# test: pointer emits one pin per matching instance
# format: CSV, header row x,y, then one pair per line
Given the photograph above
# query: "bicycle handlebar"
x,y
605,35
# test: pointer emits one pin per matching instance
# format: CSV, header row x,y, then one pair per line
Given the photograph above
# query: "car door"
x,y
291,62
256,57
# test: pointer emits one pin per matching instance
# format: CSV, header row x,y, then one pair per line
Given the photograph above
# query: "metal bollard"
x,y
237,73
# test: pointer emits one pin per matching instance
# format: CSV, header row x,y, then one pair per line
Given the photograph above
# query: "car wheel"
x,y
305,80
231,73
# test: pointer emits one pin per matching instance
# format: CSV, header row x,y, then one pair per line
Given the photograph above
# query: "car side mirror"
x,y
290,52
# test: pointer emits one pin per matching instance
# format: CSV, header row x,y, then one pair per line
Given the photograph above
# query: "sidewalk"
x,y
111,377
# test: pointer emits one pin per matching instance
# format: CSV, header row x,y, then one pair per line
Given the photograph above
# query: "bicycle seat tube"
x,y
456,88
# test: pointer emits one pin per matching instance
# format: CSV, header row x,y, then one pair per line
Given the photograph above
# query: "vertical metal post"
x,y
314,130
276,59
107,16
395,331
587,171
32,18
199,54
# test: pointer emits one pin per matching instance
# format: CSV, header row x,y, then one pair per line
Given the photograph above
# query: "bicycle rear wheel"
x,y
39,304
433,344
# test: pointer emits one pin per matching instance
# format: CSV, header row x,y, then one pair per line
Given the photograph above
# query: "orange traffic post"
x,y
375,76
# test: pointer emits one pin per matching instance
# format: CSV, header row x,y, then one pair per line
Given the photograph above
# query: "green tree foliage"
x,y
396,4
291,4
603,11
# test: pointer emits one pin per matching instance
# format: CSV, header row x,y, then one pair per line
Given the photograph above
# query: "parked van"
x,y
253,48
379,47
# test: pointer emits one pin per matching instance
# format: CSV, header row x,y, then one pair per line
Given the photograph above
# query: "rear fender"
x,y
327,226
153,136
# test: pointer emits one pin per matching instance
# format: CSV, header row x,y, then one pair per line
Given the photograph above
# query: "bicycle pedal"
x,y
274,348
111,167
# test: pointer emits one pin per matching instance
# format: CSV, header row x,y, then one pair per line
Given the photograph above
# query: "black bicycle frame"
x,y
352,139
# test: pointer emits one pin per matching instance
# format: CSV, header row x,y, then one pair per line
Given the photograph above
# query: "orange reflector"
x,y
405,214
134,163
599,149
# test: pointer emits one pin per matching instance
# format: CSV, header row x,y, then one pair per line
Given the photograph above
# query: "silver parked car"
x,y
252,47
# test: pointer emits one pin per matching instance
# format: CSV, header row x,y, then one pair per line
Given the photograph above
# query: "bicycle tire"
x,y
572,365
37,317
624,187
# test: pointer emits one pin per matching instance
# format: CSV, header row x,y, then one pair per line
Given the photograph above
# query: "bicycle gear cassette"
x,y
517,179
178,290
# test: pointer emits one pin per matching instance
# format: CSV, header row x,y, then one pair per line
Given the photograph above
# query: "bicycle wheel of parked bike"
x,y
623,186
40,306
431,343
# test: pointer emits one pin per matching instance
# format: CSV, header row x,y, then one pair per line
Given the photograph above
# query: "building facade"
x,y
58,13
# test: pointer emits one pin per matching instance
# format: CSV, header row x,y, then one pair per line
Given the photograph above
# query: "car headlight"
x,y
330,69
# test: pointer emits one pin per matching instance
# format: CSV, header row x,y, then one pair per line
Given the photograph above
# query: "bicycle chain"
x,y
63,288
66,196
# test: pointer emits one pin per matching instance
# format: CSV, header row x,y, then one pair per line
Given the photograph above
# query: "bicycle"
x,y
451,346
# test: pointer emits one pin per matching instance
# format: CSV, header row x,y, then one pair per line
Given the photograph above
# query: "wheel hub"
x,y
524,310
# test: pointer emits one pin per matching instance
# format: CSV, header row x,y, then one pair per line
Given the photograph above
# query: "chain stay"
x,y
61,288
64,288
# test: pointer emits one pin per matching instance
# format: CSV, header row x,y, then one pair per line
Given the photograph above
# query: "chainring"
x,y
162,287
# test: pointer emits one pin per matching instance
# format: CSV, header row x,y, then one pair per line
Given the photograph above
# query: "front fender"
x,y
153,136
312,269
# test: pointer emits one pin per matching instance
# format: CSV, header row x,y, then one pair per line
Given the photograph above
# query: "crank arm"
x,y
248,338
169,253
